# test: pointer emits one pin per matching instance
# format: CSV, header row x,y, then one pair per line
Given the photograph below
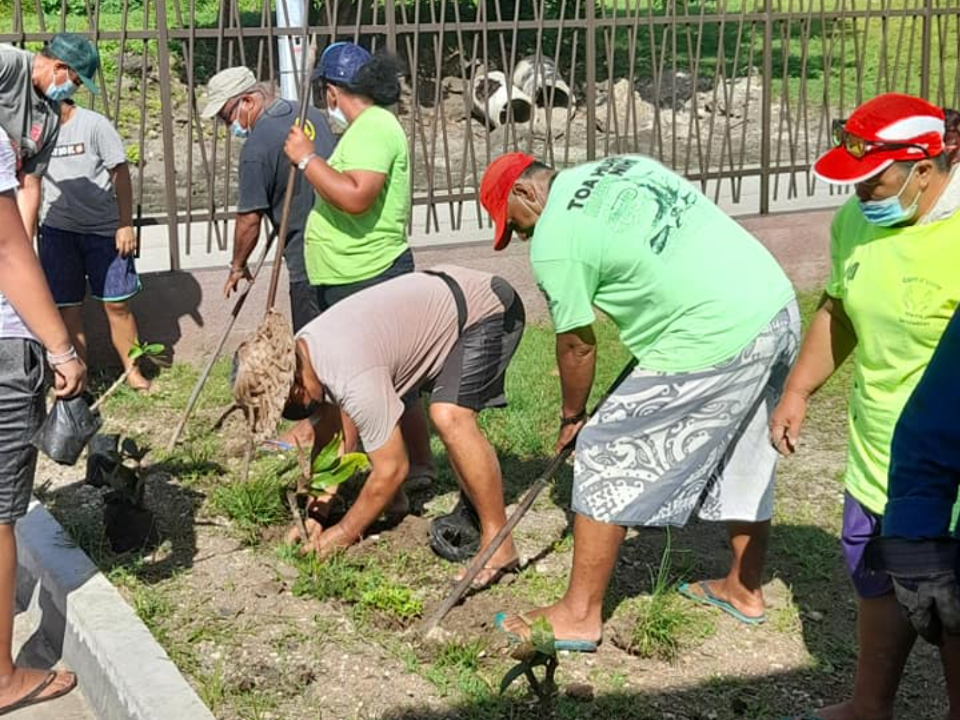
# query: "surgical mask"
x,y
60,92
336,114
238,130
890,211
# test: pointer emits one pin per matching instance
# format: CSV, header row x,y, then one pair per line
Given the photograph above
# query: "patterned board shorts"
x,y
664,445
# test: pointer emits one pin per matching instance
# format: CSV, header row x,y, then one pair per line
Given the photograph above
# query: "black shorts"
x,y
21,414
330,295
474,372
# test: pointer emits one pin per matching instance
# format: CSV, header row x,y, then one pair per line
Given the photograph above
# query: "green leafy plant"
x,y
330,469
538,651
138,351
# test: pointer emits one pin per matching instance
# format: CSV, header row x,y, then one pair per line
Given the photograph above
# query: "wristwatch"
x,y
305,160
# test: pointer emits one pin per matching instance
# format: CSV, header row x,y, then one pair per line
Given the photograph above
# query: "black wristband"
x,y
574,419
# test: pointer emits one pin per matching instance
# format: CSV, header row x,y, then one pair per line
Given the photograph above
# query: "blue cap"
x,y
341,62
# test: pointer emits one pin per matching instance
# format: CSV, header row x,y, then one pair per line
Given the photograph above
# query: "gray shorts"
x,y
474,372
664,445
21,413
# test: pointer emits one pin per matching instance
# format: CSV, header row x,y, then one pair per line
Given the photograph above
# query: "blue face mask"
x,y
890,211
238,130
61,92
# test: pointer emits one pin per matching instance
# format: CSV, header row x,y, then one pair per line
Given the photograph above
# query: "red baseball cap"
x,y
882,131
498,180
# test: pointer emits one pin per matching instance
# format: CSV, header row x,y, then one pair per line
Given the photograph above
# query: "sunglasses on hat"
x,y
858,146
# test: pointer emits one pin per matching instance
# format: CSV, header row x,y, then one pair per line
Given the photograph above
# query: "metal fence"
x,y
737,95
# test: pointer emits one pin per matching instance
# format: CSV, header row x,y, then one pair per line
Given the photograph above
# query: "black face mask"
x,y
296,411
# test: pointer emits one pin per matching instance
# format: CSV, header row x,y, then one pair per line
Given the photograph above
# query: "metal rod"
x,y
307,59
166,107
481,558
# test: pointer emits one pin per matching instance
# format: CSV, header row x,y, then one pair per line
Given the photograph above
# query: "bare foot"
x,y
750,604
23,681
137,381
566,624
490,574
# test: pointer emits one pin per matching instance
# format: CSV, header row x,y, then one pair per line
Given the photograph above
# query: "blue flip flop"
x,y
708,598
579,646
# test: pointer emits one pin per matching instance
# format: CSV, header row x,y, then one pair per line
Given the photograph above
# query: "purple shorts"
x,y
860,525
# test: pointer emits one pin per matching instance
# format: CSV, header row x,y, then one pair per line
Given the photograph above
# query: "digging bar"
x,y
481,558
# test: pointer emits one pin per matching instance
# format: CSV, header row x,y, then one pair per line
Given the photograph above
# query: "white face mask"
x,y
339,119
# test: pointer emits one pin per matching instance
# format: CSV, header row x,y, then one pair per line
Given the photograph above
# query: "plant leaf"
x,y
344,469
513,673
154,348
135,352
327,457
542,636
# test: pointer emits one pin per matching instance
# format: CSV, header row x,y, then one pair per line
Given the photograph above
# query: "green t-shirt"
x,y
686,285
341,248
899,286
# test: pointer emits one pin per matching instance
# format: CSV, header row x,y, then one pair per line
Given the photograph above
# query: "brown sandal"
x,y
35,697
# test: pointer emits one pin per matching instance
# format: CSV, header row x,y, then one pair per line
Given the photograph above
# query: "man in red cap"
x,y
893,288
713,324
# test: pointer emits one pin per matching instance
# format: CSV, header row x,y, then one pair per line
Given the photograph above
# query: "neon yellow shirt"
x,y
341,248
900,287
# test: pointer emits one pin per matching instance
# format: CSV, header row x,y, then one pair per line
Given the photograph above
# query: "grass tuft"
x,y
252,505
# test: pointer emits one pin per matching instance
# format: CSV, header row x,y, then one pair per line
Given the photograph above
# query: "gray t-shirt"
x,y
264,170
373,347
30,119
30,122
78,192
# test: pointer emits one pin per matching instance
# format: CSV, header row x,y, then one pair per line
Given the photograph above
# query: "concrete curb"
x,y
123,672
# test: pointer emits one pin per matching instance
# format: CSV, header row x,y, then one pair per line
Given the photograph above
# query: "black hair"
x,y
951,119
535,168
47,53
379,79
940,162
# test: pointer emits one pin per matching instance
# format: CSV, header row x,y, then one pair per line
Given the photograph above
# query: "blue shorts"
x,y
71,259
860,526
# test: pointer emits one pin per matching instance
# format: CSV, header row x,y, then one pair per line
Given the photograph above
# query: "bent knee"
x,y
447,417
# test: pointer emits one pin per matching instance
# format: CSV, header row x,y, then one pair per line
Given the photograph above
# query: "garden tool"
x,y
480,560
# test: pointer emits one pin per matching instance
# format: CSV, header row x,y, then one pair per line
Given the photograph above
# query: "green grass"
x,y
666,622
252,505
456,667
357,581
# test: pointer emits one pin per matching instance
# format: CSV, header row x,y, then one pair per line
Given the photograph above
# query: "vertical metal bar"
x,y
766,114
590,9
169,153
390,10
926,42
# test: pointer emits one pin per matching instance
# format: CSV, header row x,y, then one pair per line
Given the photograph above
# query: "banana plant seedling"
x,y
328,470
539,650
138,351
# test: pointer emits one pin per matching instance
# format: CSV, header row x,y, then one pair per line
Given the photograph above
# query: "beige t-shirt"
x,y
373,347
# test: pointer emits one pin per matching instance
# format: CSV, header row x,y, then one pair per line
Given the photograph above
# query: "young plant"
x,y
328,470
539,650
331,469
139,350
